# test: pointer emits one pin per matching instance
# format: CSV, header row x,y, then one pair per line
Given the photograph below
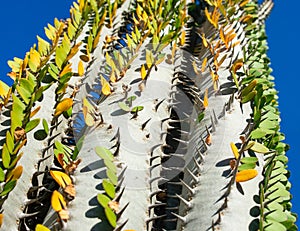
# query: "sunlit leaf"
x,y
32,124
106,90
258,147
9,186
109,188
235,150
246,175
111,217
104,153
80,68
15,174
63,106
40,227
61,178
103,200
124,106
57,201
143,72
205,100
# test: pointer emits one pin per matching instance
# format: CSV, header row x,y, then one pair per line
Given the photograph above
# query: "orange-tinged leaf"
x,y
106,90
237,65
63,106
40,227
60,159
57,201
70,190
246,175
205,100
143,72
67,69
15,174
80,68
1,219
61,178
242,4
208,139
235,150
35,111
19,134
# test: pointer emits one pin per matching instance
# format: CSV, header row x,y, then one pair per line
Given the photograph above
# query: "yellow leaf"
x,y
222,60
205,100
67,69
149,58
237,65
105,86
204,64
235,150
195,67
61,178
58,202
63,106
204,41
80,68
242,4
3,89
143,72
88,113
15,174
182,40
246,175
40,227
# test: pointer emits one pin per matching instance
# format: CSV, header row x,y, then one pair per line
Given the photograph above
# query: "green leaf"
x,y
8,187
248,97
274,225
2,175
45,126
103,200
112,176
124,106
200,117
249,160
137,109
110,165
246,166
5,156
111,217
32,124
10,142
257,147
25,94
104,153
109,188
258,133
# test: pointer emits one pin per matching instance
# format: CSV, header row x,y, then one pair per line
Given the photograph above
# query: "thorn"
x,y
116,152
118,197
181,141
154,166
186,202
195,178
213,129
197,165
215,117
182,219
153,179
155,218
192,191
120,227
121,211
156,205
26,215
116,136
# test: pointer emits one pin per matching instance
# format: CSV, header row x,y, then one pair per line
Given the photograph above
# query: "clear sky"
x,y
21,21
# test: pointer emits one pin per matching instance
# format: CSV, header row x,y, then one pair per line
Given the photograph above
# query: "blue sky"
x,y
21,21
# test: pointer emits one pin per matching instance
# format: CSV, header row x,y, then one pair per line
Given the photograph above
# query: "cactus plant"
x,y
145,115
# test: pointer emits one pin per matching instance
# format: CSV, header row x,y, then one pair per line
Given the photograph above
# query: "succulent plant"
x,y
146,115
